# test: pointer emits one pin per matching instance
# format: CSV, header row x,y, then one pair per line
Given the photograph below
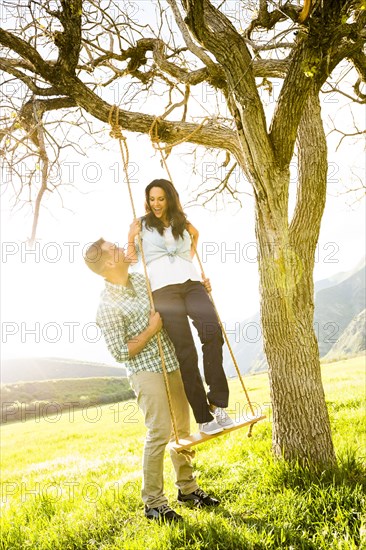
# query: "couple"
x,y
130,333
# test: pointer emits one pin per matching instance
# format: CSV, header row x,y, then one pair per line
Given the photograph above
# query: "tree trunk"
x,y
301,428
300,420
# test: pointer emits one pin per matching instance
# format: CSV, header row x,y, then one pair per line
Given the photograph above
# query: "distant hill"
x,y
338,277
46,398
247,345
331,281
352,340
338,301
49,368
336,306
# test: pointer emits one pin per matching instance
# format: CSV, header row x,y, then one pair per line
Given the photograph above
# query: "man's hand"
x,y
137,344
206,283
155,323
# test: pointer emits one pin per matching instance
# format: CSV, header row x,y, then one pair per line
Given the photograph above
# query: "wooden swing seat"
x,y
196,439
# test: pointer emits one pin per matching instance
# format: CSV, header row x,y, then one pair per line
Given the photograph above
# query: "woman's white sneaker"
x,y
222,418
210,428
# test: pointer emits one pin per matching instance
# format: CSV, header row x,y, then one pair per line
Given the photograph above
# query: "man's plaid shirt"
x,y
123,314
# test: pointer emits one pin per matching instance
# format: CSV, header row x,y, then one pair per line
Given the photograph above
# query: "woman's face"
x,y
158,203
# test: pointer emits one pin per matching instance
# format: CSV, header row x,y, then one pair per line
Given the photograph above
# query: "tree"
x,y
67,52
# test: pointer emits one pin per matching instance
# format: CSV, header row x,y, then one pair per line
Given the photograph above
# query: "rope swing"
x,y
116,132
180,445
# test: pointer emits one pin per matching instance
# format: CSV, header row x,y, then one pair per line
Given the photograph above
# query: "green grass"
x,y
85,473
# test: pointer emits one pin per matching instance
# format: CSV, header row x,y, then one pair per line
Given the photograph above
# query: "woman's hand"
x,y
192,230
206,283
134,230
131,252
194,237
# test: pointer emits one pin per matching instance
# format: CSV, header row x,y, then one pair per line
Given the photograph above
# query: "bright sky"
x,y
49,298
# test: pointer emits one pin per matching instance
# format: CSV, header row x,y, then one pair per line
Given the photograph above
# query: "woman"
x,y
169,242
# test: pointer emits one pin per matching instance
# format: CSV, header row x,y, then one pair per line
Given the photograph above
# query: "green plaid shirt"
x,y
123,314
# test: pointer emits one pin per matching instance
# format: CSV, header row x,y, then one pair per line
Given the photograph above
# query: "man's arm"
x,y
139,342
113,329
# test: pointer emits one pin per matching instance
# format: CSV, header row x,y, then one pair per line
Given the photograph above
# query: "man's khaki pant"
x,y
152,399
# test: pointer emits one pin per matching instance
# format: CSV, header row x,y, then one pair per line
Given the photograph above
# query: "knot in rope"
x,y
153,132
116,128
116,132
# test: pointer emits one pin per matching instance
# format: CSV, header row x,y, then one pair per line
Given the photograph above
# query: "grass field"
x,y
73,481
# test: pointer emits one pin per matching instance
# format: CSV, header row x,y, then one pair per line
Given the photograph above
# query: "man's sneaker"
x,y
210,428
162,513
222,418
198,498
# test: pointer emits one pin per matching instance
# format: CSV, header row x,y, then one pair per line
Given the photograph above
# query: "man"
x,y
130,330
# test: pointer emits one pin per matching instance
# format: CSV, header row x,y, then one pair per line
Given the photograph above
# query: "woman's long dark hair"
x,y
176,216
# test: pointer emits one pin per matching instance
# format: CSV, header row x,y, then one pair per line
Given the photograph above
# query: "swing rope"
x,y
116,132
226,337
154,136
156,144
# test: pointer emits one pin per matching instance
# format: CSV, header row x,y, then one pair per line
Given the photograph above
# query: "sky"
x,y
49,298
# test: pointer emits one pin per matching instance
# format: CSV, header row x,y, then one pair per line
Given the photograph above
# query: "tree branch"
x,y
192,46
317,53
69,41
359,60
27,52
209,135
219,36
268,19
270,68
312,178
27,80
45,166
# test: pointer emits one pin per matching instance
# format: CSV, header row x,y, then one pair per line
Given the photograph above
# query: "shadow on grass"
x,y
224,530
350,471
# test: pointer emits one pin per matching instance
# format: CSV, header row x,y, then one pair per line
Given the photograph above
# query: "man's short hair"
x,y
95,256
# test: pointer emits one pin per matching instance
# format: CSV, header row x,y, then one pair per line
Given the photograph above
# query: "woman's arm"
x,y
194,237
134,230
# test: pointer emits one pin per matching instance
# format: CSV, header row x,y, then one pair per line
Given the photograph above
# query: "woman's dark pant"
x,y
176,303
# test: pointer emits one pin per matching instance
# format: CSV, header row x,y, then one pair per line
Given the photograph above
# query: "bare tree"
x,y
68,53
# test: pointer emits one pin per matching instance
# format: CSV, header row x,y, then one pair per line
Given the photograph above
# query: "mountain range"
x,y
339,324
352,340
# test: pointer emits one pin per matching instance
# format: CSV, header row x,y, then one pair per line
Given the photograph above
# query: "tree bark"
x,y
301,428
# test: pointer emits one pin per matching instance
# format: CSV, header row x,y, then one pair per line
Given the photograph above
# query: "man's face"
x,y
116,255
